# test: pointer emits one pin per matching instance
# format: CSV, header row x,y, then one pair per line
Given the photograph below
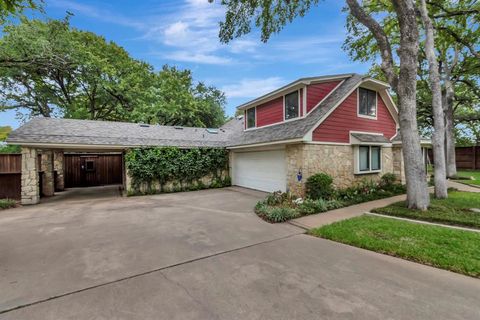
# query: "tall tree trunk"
x,y
405,85
449,127
417,191
438,139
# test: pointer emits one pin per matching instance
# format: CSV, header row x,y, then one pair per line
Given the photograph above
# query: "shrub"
x,y
387,180
310,206
280,198
334,204
319,186
280,214
7,203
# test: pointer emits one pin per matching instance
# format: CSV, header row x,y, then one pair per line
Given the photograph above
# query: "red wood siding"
x,y
316,92
270,112
337,126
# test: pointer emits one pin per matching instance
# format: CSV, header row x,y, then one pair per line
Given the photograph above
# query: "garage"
x,y
260,170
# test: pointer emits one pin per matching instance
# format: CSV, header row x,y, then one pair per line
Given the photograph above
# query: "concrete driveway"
x,y
203,255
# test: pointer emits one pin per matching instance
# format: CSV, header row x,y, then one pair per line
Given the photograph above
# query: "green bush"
x,y
163,164
334,204
7,203
388,180
280,214
319,186
310,206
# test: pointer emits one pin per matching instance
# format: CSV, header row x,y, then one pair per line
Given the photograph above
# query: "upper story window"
x,y
251,121
292,106
367,103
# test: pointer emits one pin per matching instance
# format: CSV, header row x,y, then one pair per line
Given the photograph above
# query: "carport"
x,y
86,153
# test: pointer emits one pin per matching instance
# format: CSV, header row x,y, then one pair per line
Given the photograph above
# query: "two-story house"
x,y
345,125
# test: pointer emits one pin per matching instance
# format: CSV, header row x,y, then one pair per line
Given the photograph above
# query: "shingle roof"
x,y
88,132
373,138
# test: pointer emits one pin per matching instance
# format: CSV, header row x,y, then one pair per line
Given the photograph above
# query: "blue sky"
x,y
184,33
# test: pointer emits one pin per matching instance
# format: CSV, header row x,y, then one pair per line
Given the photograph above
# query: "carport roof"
x,y
50,131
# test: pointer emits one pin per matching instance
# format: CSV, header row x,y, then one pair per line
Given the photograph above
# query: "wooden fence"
x,y
466,157
10,176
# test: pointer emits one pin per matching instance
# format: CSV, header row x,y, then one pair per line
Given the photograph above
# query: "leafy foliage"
x,y
365,190
48,68
319,186
147,165
7,203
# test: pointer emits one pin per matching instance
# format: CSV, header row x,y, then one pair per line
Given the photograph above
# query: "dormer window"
x,y
367,103
292,106
251,115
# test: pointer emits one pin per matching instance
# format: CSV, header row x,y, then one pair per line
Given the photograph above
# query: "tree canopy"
x,y
48,68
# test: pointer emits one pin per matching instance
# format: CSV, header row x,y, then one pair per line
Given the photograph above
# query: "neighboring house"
x,y
345,125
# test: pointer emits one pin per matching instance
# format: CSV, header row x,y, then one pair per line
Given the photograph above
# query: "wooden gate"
x,y
88,170
10,176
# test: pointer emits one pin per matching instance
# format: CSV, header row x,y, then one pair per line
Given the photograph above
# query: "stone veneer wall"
x,y
48,177
335,160
58,161
30,188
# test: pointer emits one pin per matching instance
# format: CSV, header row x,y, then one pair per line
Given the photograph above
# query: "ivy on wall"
x,y
185,166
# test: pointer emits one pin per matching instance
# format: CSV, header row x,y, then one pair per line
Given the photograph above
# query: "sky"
x,y
184,33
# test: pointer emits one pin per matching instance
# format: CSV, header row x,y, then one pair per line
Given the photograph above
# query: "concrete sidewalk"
x,y
321,219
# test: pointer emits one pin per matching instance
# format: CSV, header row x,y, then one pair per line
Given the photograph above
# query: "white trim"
x,y
304,99
328,95
356,154
264,144
328,143
384,84
279,92
365,116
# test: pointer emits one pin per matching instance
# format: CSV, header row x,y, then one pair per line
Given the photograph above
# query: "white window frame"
x,y
246,119
358,105
357,159
298,106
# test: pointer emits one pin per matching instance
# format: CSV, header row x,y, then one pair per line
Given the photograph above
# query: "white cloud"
x,y
202,58
252,88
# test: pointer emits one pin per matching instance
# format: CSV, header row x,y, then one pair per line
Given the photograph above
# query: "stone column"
x,y
58,167
30,188
398,168
47,168
296,164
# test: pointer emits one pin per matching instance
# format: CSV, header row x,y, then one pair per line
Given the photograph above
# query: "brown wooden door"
x,y
92,170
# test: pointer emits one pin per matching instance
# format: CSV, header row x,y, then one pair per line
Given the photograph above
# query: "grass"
x,y
445,248
467,174
455,210
7,203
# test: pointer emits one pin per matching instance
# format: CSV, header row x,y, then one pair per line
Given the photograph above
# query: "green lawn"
x,y
450,249
455,210
470,173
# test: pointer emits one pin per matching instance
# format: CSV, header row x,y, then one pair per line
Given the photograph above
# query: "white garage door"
x,y
261,170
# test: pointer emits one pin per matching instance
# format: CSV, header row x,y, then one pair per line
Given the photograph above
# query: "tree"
x,y
50,69
174,99
456,27
4,132
15,7
438,140
272,16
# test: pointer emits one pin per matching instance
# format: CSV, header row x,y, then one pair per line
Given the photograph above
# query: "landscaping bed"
x,y
321,196
456,210
446,248
7,203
